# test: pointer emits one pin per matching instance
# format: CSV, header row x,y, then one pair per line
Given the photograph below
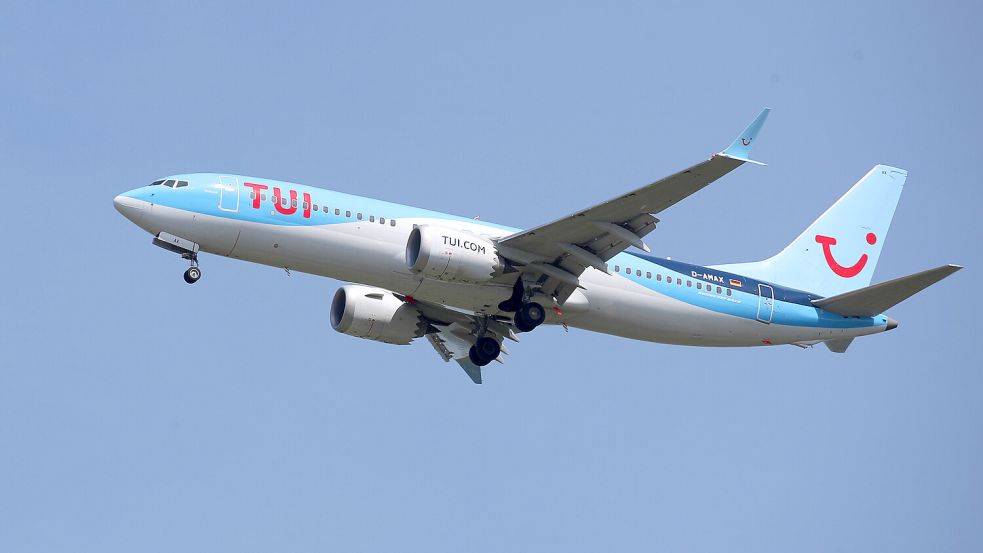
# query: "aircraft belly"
x,y
624,308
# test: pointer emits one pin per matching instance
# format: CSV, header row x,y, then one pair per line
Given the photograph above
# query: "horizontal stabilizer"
x,y
876,299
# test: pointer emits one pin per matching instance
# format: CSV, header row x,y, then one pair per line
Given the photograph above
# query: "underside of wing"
x,y
453,333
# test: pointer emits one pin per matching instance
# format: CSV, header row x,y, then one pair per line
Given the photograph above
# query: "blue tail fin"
x,y
838,252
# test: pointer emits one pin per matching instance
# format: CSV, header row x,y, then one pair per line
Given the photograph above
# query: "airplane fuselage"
x,y
363,240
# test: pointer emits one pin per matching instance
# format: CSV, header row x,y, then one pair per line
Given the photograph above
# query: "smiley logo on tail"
x,y
845,272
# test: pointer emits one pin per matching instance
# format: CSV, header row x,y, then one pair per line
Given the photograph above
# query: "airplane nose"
x,y
128,207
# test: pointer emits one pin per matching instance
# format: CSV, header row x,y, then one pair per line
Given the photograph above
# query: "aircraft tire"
x,y
192,275
476,357
488,348
529,316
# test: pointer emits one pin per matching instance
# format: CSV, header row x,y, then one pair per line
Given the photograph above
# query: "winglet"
x,y
740,148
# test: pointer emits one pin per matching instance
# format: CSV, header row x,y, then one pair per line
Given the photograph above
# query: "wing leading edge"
x,y
559,252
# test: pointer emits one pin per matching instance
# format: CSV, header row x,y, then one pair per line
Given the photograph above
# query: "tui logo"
x,y
845,272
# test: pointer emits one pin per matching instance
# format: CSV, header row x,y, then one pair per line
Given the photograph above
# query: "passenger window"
x,y
728,291
359,216
658,277
252,195
305,205
638,272
617,268
648,275
371,218
263,197
293,203
315,207
382,220
156,182
392,222
325,209
718,289
689,283
348,213
699,285
679,281
337,211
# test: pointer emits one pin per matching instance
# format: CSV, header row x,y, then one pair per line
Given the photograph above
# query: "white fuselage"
x,y
373,254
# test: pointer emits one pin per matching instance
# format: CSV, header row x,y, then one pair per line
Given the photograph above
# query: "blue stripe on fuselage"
x,y
679,281
721,278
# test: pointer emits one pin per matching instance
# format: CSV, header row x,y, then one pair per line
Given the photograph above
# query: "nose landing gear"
x,y
193,273
187,249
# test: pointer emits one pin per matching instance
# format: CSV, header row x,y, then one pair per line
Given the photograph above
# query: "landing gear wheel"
x,y
489,348
484,351
529,316
476,358
192,275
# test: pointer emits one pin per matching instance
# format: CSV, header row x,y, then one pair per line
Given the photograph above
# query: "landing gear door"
x,y
228,193
766,303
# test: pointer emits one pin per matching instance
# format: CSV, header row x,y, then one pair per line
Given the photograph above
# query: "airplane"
x,y
469,285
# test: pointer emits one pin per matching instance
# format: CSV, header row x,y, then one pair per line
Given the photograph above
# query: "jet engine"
x,y
375,314
452,255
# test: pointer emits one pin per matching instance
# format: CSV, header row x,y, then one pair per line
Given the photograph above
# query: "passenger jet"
x,y
469,285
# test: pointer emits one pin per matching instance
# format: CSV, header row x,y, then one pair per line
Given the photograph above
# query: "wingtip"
x,y
740,148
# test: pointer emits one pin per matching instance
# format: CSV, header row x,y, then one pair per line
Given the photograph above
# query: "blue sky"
x,y
138,413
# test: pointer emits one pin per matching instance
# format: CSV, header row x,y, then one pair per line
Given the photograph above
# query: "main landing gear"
x,y
484,351
529,316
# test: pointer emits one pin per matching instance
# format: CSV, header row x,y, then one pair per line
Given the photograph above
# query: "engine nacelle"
x,y
375,314
452,255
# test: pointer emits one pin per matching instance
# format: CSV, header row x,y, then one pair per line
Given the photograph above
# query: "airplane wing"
x,y
450,347
452,333
558,253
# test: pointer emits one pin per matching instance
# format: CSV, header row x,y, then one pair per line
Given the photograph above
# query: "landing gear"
x,y
484,351
187,250
193,273
529,316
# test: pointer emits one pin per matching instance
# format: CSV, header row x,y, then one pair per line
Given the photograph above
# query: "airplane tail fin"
x,y
838,252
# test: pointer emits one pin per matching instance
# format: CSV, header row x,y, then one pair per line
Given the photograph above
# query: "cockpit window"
x,y
169,183
156,182
181,183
